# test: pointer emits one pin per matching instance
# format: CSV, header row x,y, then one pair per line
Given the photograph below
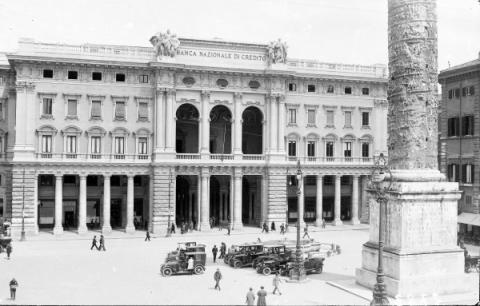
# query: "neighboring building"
x,y
459,146
116,137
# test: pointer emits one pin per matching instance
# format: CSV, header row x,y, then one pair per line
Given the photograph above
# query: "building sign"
x,y
222,55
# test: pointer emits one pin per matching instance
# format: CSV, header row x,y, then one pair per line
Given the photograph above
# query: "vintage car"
x,y
271,252
246,255
236,249
179,263
270,266
312,265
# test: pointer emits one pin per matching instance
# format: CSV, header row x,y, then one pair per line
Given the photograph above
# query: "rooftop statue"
x,y
165,44
277,52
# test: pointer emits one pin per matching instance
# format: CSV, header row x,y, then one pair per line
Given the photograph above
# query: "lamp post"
x,y
298,272
169,226
22,234
381,195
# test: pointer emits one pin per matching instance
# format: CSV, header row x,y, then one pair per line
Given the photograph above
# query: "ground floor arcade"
x,y
153,197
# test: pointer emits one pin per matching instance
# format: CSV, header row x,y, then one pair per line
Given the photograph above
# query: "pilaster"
x,y
205,121
58,227
237,121
24,147
23,203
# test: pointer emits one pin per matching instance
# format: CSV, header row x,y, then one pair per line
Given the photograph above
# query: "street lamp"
x,y
298,274
22,234
169,227
381,194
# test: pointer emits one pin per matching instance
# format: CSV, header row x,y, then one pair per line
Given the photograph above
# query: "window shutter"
x,y
143,111
72,108
96,109
456,167
120,110
472,173
464,173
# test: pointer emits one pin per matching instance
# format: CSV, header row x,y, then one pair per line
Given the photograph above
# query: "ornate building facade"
x,y
102,136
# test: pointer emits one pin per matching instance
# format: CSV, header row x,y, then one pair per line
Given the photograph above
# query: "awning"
x,y
469,218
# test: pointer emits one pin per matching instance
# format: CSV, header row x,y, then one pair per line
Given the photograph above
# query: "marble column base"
x,y
82,230
130,229
106,229
58,230
318,223
337,222
237,225
204,226
354,221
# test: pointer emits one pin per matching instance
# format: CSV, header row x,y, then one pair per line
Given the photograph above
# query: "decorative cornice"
x,y
310,106
259,103
347,108
365,109
330,107
292,105
47,94
115,97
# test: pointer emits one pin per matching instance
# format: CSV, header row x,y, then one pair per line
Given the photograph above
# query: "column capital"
x,y
83,176
205,172
24,86
356,176
320,177
205,94
107,176
59,176
171,91
130,176
237,95
237,173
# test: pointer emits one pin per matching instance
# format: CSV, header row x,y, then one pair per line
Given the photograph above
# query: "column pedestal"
x,y
421,257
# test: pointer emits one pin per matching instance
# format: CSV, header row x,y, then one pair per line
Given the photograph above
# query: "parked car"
x,y
271,252
247,253
177,261
311,265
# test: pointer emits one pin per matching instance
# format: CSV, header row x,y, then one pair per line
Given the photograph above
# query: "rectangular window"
x,y
330,89
96,76
96,110
365,91
96,145
311,148
47,144
70,179
365,149
348,90
311,88
120,110
47,106
143,78
471,91
464,91
348,119
450,93
329,149
72,75
468,174
311,116
120,77
292,87
143,111
468,200
347,152
119,145
46,180
365,118
467,125
72,108
330,121
453,172
47,73
71,144
457,92
292,148
292,116
1,110
142,145
453,127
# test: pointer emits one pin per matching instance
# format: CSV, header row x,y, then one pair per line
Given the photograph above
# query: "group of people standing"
x,y
283,228
223,251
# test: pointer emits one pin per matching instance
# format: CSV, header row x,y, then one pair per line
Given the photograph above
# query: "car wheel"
x,y
237,264
199,269
319,270
167,272
267,271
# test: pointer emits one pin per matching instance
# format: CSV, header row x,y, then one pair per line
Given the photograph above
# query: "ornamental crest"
x,y
277,52
165,44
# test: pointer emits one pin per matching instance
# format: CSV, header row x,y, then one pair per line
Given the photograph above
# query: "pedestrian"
x,y
250,297
190,264
217,277
147,237
172,229
102,244
13,288
282,229
214,252
324,224
276,283
223,249
259,240
273,226
305,232
94,243
262,294
190,226
265,227
9,250
229,228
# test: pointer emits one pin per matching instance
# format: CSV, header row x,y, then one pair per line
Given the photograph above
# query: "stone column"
x,y
421,256
338,199
355,220
58,228
205,224
318,220
237,121
237,216
273,123
160,121
35,203
264,201
82,205
205,121
301,202
199,202
232,199
190,207
130,228
170,126
281,125
106,227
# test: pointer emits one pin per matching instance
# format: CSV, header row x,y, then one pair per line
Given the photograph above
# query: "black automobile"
x,y
270,266
246,255
273,252
311,265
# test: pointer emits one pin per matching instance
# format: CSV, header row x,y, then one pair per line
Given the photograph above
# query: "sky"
x,y
338,31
